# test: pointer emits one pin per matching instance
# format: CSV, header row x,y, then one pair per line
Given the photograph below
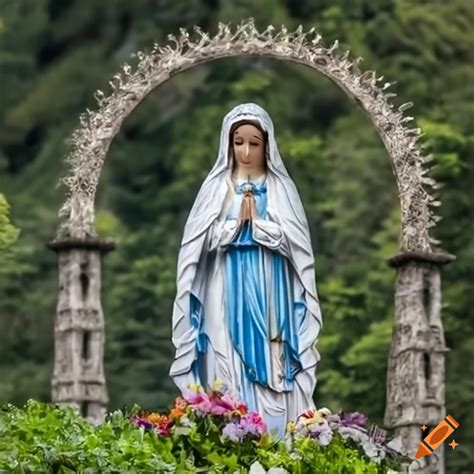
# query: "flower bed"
x,y
203,432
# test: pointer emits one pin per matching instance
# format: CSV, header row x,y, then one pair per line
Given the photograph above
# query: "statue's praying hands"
x,y
248,208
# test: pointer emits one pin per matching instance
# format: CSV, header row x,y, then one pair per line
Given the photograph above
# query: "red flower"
x,y
161,423
241,408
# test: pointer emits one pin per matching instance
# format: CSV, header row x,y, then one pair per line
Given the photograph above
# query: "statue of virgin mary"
x,y
246,310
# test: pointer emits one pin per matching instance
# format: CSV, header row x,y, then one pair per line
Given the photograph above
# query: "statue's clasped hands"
x,y
248,210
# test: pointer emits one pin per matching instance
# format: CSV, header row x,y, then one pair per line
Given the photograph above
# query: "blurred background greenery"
x,y
55,53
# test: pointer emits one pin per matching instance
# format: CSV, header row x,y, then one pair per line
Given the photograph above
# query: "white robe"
x,y
200,273
277,405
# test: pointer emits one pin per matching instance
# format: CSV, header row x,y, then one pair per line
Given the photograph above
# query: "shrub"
x,y
203,432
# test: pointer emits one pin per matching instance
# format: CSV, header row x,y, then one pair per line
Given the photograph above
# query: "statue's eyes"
x,y
240,141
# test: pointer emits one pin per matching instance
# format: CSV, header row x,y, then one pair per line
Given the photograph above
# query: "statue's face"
x,y
249,148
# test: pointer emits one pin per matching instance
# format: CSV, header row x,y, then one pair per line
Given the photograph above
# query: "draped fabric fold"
x,y
246,309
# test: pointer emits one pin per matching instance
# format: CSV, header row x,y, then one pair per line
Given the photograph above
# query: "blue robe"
x,y
252,327
262,319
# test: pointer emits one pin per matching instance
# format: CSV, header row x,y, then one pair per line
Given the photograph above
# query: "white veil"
x,y
284,207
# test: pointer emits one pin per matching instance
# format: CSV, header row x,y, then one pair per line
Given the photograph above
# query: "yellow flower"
x,y
194,387
324,412
291,427
317,418
265,441
155,418
310,417
217,385
176,413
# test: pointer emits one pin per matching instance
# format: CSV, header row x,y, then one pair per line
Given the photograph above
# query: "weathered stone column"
x,y
78,378
415,377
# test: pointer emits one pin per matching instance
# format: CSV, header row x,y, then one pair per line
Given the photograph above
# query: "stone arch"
x,y
415,392
91,141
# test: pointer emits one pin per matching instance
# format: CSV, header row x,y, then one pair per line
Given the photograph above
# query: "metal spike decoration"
x,y
91,141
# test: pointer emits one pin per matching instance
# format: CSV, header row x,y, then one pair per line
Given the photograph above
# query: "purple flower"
x,y
251,424
234,432
142,422
321,432
354,419
334,422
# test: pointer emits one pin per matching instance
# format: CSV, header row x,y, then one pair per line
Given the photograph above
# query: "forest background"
x,y
54,54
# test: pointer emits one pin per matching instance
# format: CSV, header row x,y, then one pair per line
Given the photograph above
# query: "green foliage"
x,y
8,232
54,55
338,457
43,438
10,267
447,143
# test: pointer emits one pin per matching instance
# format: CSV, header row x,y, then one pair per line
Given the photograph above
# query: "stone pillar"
x,y
415,377
78,378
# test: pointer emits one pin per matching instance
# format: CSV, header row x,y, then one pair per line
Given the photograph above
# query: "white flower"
x,y
354,433
185,421
257,468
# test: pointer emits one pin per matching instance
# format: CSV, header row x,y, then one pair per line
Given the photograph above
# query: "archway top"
x,y
91,141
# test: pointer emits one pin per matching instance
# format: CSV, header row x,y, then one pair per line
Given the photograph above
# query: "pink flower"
x,y
214,403
253,423
198,401
194,398
221,405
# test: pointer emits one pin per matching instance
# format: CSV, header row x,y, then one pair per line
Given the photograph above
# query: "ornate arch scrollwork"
x,y
91,141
